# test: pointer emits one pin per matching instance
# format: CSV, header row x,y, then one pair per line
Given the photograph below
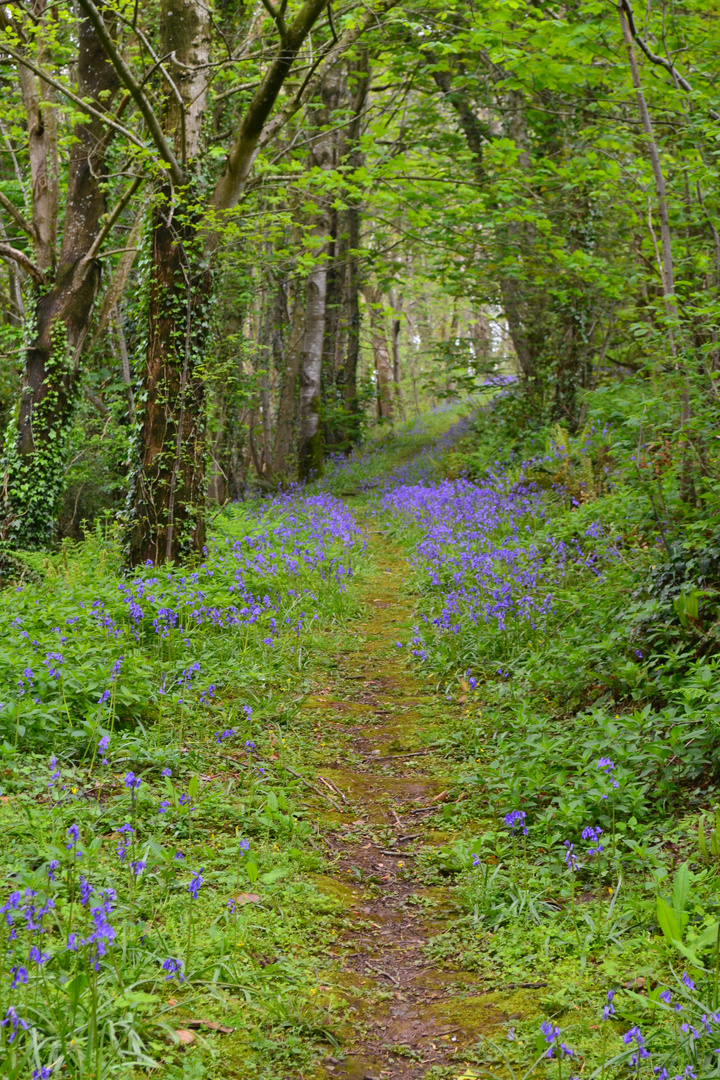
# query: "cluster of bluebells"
x,y
293,544
476,556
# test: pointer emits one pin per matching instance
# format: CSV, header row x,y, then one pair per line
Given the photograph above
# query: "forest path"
x,y
374,722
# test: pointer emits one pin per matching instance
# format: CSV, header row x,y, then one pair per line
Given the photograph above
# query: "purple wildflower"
x,y
15,1022
194,886
516,820
174,969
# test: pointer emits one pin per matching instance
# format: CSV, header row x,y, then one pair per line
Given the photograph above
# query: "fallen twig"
x,y
333,787
380,972
315,789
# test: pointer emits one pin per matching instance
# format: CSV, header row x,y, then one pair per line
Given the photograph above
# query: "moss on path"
x,y
374,724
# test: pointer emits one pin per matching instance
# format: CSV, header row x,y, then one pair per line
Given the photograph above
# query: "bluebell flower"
x,y
194,886
593,832
636,1036
137,867
244,846
86,890
167,772
132,781
51,868
570,858
20,976
163,807
685,978
38,957
43,1073
15,1022
516,820
665,996
174,969
74,835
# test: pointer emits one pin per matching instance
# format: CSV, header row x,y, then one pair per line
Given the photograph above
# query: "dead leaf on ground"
x,y
184,1037
247,898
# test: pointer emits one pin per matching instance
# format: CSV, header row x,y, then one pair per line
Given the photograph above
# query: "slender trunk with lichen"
x,y
324,156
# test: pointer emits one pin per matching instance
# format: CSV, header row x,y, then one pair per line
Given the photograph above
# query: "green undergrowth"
x,y
583,841
159,858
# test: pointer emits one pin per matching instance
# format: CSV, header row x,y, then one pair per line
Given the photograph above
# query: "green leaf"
x,y
275,875
668,921
681,892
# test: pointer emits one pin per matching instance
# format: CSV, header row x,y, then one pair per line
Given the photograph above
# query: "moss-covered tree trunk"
x,y
63,294
167,493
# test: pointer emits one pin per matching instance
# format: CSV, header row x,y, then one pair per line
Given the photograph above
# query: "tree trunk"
x,y
383,366
166,503
397,303
286,405
310,448
167,494
323,156
36,444
359,75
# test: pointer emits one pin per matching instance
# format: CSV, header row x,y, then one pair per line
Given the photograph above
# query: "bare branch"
x,y
84,106
311,84
660,61
19,257
112,218
126,76
17,216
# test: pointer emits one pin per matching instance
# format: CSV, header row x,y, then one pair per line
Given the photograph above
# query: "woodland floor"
x,y
373,720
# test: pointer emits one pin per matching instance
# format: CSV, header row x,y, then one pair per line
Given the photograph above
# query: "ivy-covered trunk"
x,y
61,303
167,491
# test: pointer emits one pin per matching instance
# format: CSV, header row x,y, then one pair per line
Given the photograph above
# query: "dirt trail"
x,y
408,1014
